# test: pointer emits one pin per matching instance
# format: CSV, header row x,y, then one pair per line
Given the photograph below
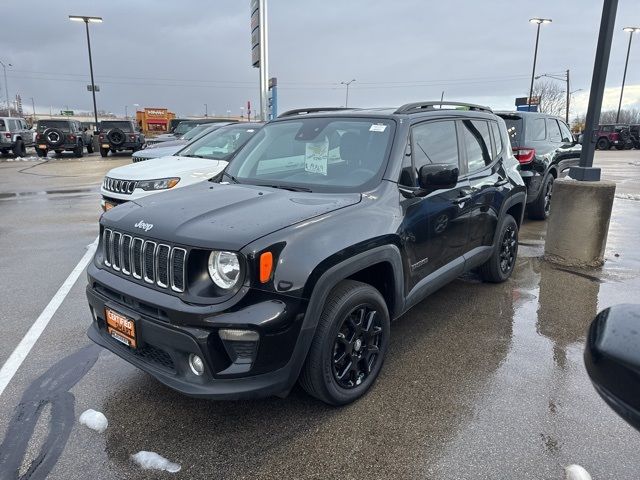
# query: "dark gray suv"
x,y
61,136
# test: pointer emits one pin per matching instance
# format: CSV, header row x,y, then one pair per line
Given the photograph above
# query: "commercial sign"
x,y
255,33
524,101
66,113
95,88
155,112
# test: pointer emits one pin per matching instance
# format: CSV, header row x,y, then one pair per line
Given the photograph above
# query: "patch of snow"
x,y
94,420
576,472
22,159
151,460
628,196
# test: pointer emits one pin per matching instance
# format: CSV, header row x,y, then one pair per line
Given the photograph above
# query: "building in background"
x,y
154,120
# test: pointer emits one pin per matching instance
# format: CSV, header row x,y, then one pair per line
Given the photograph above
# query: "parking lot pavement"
x,y
481,381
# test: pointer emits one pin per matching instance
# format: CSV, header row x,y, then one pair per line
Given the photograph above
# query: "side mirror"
x,y
438,175
612,358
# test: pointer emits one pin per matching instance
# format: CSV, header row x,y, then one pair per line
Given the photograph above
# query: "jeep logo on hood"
x,y
144,226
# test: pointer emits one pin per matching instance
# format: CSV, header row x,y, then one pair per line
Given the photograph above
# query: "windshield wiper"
x,y
288,187
231,177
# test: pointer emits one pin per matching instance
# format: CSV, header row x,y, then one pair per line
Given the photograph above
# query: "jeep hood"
x,y
171,166
157,152
226,217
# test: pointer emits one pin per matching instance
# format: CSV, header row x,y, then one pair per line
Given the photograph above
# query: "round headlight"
x,y
224,269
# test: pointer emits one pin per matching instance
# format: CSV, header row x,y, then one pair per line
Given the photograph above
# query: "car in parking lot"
x,y
181,129
634,130
325,226
198,161
545,147
62,136
15,135
169,148
118,135
614,135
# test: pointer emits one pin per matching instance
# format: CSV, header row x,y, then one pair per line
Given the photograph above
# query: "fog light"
x,y
234,335
196,364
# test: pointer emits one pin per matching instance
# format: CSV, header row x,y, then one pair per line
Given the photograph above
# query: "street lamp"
x,y
563,79
346,102
87,20
6,88
538,21
241,113
631,31
206,110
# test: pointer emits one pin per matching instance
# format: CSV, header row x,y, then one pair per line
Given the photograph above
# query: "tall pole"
x,y
93,85
33,104
264,60
6,88
206,110
631,31
346,102
533,73
585,170
568,98
126,113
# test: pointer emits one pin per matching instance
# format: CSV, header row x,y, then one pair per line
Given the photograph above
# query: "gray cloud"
x,y
184,54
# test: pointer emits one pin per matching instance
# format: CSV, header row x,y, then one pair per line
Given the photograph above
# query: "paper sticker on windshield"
x,y
316,157
376,127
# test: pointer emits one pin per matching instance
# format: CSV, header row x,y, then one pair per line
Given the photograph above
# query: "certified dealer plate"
x,y
121,327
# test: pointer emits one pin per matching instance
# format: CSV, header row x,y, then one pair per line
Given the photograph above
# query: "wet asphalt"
x,y
481,381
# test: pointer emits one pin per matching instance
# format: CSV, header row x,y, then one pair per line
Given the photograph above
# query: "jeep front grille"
x,y
116,185
151,262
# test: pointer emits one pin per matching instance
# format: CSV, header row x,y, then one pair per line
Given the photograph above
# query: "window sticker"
x,y
376,127
316,157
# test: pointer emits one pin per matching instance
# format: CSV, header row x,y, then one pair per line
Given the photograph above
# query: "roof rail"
x,y
303,111
422,106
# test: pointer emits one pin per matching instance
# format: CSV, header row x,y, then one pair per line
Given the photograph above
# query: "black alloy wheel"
x,y
508,250
349,345
603,144
357,346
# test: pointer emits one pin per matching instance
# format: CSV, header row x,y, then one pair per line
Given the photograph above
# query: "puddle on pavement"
x,y
44,193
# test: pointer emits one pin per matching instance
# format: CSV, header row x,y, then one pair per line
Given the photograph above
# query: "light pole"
x,y
346,102
241,114
126,112
206,110
631,31
563,79
6,88
86,20
33,104
538,21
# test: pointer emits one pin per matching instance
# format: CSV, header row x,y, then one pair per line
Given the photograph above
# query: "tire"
x,y
90,146
358,340
503,259
4,151
116,136
19,150
603,144
41,153
540,208
53,136
621,147
59,153
79,150
104,152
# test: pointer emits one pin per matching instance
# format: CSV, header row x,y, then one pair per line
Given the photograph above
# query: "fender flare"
x,y
328,280
514,199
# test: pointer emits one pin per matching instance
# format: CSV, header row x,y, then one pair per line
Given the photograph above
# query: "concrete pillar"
x,y
579,222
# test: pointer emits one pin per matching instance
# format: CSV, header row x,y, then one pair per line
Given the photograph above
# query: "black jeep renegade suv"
x,y
325,226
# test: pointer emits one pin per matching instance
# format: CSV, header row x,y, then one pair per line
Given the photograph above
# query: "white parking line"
x,y
16,358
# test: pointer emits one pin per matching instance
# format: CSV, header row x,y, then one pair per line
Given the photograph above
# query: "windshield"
x,y
184,127
194,132
318,154
220,144
124,126
59,124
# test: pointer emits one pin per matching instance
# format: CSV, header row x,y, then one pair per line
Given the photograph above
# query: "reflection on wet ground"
x,y
44,193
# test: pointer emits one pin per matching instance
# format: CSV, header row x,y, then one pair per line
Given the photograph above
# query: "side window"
x,y
477,143
566,133
537,129
497,138
13,125
554,130
434,142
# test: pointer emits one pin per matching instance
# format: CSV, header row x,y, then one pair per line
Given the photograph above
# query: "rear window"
x,y
125,126
514,128
59,124
2,127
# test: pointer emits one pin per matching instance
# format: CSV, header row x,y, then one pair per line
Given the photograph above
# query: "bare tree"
x,y
552,97
631,115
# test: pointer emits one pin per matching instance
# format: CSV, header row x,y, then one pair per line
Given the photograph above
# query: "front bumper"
x,y
168,330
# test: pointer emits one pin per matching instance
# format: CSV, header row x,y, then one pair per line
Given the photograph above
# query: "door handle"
x,y
465,195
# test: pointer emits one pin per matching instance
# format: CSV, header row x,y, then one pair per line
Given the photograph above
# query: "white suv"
x,y
198,161
15,135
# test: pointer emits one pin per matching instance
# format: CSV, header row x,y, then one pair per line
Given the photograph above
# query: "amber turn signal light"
x,y
266,266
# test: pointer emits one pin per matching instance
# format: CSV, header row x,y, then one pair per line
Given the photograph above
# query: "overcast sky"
x,y
184,54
